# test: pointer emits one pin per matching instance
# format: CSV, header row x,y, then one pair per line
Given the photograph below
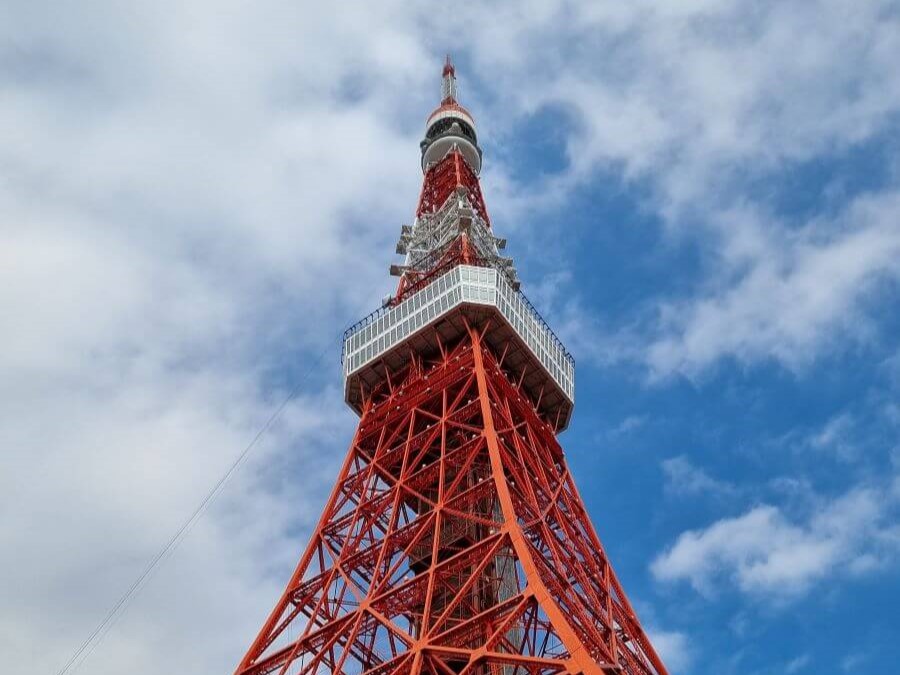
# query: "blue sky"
x,y
702,198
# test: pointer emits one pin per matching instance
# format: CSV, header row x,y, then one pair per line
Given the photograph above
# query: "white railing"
x,y
385,328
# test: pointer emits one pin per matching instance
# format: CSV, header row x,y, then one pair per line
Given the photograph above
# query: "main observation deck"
x,y
440,311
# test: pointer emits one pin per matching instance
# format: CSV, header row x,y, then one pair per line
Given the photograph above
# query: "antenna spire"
x,y
448,81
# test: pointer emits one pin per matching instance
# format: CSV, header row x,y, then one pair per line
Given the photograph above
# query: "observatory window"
x,y
381,331
443,126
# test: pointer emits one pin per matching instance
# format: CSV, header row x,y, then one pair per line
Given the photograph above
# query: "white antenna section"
x,y
448,82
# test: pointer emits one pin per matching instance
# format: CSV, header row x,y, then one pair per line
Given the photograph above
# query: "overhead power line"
x,y
85,649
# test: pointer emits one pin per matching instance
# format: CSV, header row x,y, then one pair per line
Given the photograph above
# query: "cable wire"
x,y
87,647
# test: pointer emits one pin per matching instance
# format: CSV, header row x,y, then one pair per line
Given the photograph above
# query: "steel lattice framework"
x,y
455,541
446,176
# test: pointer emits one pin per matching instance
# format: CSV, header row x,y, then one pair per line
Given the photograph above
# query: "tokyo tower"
x,y
455,541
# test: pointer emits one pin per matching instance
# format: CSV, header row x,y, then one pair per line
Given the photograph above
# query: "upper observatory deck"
x,y
439,312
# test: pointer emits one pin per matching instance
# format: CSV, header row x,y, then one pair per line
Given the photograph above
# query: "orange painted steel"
x,y
460,252
454,542
445,177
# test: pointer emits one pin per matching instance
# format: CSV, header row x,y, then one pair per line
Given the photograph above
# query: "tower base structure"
x,y
454,543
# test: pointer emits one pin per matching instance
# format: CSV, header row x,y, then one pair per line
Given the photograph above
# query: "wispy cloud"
x,y
837,437
674,649
666,111
798,664
684,478
182,190
629,425
184,187
796,294
854,662
766,553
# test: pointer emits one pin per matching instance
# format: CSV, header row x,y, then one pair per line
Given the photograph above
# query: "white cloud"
x,y
797,664
690,93
674,649
184,187
764,552
853,663
799,293
629,424
683,477
704,102
182,191
836,437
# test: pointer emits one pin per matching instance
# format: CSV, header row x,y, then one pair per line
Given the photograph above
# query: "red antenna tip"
x,y
448,67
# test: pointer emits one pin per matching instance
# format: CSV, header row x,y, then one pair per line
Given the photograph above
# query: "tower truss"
x,y
454,541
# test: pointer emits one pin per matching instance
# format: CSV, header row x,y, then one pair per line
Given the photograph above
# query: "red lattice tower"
x,y
455,540
446,176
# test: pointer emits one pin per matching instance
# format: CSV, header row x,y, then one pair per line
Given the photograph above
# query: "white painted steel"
x,y
455,111
433,232
389,327
439,147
